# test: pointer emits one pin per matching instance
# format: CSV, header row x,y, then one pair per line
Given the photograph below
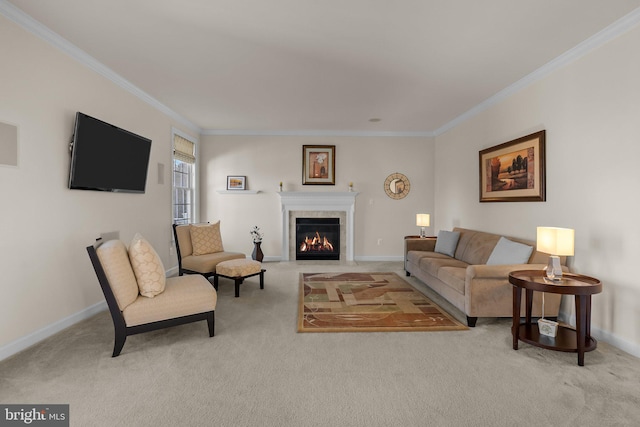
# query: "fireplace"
x,y
317,238
318,204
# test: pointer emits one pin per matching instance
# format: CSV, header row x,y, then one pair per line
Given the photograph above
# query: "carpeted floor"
x,y
367,302
258,371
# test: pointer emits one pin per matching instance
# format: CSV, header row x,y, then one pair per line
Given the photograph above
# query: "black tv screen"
x,y
107,158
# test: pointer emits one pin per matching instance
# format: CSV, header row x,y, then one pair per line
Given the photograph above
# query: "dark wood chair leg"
x,y
238,281
215,282
471,321
262,279
408,274
211,321
121,337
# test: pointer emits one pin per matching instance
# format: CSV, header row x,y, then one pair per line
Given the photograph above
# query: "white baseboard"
x,y
382,258
606,336
27,341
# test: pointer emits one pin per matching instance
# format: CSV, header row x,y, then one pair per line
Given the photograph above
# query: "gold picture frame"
x,y
318,165
514,171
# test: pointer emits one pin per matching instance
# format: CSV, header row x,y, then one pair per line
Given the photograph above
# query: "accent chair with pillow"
x,y
200,249
140,297
470,269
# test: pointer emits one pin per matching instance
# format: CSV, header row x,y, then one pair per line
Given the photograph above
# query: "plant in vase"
x,y
256,235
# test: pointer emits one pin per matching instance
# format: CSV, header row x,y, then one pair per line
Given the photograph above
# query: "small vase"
x,y
257,252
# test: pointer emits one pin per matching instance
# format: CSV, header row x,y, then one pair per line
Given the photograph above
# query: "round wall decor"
x,y
397,186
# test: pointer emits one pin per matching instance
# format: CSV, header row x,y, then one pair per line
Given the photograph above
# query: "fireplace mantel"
x,y
318,201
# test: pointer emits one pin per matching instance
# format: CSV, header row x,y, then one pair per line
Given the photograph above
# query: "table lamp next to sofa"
x,y
423,221
556,242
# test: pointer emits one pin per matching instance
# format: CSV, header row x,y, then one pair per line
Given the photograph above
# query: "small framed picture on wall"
x,y
235,182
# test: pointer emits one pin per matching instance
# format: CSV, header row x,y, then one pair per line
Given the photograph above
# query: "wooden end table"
x,y
566,339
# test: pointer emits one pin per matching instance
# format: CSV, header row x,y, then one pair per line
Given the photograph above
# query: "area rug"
x,y
367,302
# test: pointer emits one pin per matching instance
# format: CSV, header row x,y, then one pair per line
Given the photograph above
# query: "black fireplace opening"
x,y
317,238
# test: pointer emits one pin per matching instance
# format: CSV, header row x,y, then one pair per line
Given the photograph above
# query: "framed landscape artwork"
x,y
318,164
514,171
236,182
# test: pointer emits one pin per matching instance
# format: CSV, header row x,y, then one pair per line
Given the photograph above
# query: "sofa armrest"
x,y
425,244
488,292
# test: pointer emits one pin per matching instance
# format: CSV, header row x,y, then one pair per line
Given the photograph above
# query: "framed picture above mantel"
x,y
318,165
514,171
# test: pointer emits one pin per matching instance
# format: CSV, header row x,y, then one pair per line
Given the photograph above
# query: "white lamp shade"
x,y
422,220
555,241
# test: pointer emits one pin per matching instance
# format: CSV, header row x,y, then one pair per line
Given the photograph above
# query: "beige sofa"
x,y
476,289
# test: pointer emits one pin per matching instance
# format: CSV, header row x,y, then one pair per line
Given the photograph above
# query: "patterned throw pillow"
x,y
147,267
206,239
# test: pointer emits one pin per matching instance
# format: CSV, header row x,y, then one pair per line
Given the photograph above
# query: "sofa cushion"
x,y
447,242
479,246
432,265
508,252
453,277
206,238
414,257
147,267
183,296
117,267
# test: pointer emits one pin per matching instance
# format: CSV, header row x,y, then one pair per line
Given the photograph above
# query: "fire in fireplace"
x,y
317,238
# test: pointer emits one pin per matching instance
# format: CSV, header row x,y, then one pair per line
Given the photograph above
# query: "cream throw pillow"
x,y
206,239
147,267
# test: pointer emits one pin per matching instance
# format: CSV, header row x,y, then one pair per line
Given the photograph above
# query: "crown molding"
x,y
616,29
334,133
28,23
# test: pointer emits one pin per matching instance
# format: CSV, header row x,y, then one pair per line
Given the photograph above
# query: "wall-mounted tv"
x,y
105,157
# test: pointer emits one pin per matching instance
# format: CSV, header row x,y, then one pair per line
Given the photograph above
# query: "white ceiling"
x,y
252,66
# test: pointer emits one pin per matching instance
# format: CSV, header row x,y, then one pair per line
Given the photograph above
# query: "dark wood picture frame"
x,y
236,182
514,171
318,165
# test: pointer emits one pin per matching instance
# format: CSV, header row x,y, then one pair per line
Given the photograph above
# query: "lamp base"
x,y
554,269
423,232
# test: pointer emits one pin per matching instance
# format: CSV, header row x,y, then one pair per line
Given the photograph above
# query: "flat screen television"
x,y
105,157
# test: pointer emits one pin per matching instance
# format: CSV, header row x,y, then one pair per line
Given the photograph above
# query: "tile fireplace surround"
x,y
318,204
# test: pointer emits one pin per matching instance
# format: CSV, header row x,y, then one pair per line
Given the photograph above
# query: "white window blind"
x,y
184,150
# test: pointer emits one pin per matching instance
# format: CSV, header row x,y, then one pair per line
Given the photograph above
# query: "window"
x,y
184,180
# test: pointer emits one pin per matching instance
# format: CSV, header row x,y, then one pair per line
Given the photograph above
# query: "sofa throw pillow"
x,y
447,242
206,239
147,267
509,252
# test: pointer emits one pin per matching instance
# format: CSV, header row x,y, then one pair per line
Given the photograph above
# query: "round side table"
x,y
566,339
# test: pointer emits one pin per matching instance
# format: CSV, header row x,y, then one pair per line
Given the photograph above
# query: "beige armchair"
x,y
202,255
177,301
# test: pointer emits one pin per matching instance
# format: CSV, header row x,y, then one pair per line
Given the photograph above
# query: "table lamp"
x,y
422,221
556,242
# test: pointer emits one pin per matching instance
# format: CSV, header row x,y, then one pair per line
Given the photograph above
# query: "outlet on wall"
x,y
379,242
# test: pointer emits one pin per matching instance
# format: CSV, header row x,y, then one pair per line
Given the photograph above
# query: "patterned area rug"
x,y
367,302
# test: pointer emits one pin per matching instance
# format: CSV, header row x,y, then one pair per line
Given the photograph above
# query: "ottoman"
x,y
238,270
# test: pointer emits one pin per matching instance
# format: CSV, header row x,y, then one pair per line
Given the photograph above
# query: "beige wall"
x,y
365,161
590,110
44,227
